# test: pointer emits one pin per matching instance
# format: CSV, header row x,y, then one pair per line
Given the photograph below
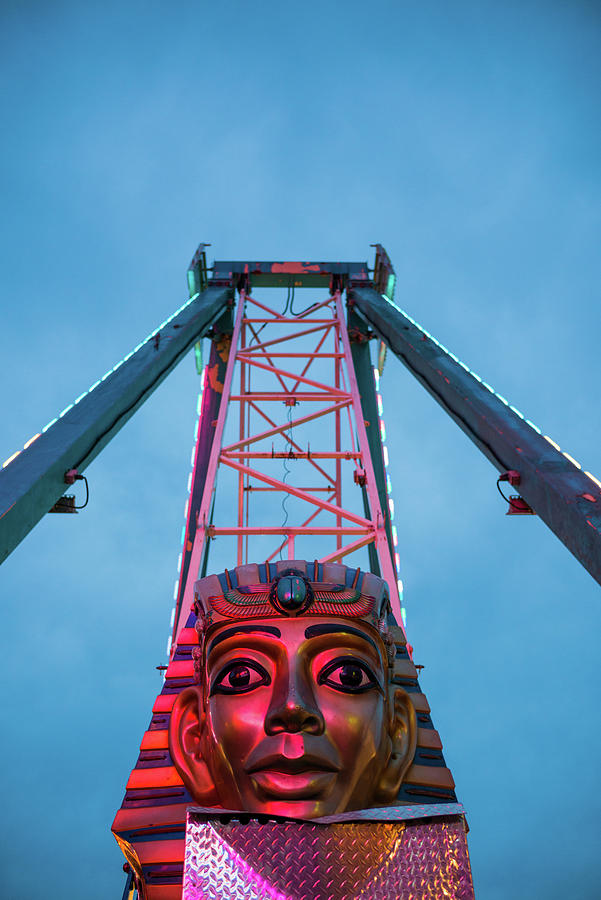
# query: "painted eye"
x,y
240,676
349,675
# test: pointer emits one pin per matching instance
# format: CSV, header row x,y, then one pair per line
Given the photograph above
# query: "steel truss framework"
x,y
550,481
318,334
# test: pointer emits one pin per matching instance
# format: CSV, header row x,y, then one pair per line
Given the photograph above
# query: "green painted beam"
x,y
365,380
551,482
33,481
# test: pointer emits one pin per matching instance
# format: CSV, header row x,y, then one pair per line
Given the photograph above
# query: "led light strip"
x,y
488,388
395,537
187,505
100,380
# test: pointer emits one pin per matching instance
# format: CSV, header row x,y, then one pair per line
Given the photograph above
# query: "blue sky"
x,y
466,138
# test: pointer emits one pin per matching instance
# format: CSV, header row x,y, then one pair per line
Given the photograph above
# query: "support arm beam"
x,y
32,483
369,405
564,497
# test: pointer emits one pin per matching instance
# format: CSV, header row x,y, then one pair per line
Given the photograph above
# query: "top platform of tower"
x,y
290,273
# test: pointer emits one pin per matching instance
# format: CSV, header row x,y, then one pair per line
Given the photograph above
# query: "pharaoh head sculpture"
x,y
294,712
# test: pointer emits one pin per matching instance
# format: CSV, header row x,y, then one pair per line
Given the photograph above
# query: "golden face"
x,y
294,717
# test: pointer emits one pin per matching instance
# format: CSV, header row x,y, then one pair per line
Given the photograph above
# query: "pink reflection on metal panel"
x,y
304,861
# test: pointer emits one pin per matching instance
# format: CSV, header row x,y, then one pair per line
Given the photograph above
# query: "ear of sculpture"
x,y
403,741
185,740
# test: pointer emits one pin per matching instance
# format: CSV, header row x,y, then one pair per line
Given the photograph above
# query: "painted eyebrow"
x,y
318,630
244,629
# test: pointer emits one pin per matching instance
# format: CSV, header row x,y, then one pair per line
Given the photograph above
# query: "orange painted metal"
x,y
430,738
162,776
180,669
163,891
165,851
155,740
438,776
145,817
164,703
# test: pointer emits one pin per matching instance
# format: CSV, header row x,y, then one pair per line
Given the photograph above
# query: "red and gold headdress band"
x,y
292,588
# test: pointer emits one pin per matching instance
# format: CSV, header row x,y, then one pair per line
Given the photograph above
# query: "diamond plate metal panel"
x,y
302,861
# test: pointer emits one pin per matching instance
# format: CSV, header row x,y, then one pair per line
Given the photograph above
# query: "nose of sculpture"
x,y
294,717
293,707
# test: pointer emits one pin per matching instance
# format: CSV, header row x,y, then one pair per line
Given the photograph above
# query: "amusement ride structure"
x,y
290,422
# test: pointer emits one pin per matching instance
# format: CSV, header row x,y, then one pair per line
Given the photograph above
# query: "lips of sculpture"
x,y
285,733
302,786
279,776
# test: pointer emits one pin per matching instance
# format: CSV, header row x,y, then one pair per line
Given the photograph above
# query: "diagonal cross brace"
x,y
279,429
249,360
296,492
